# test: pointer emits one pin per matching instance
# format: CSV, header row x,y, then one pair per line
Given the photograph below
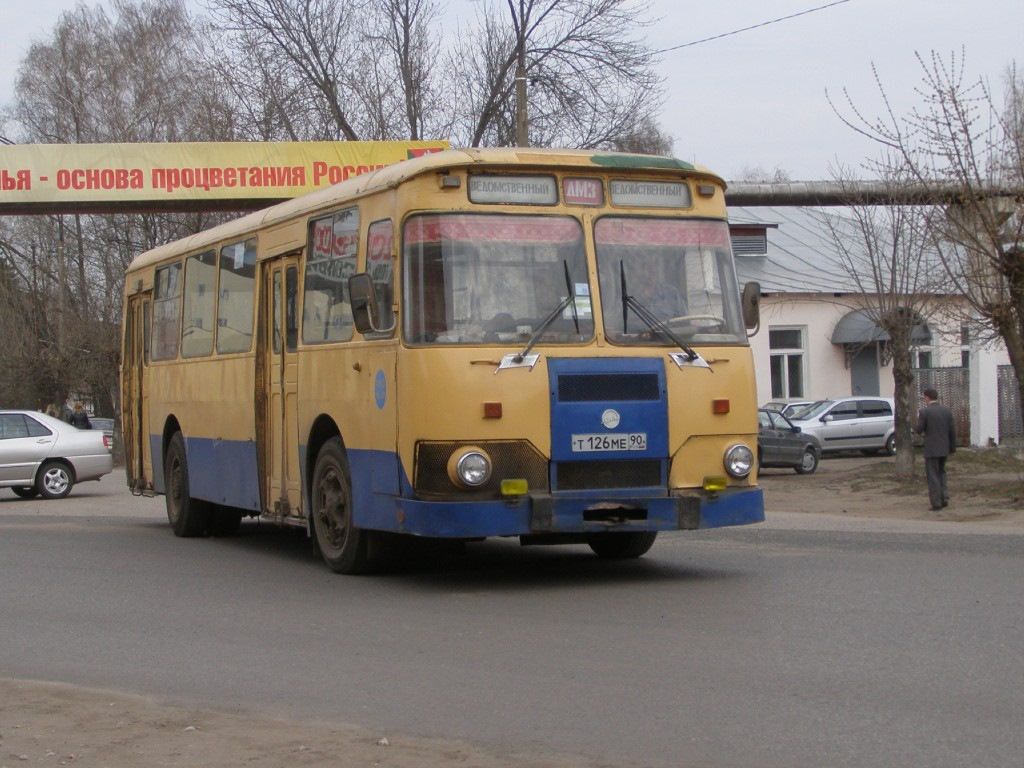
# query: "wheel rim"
x,y
56,480
809,460
332,511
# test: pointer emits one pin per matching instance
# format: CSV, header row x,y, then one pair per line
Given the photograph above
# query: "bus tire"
x,y
188,517
342,546
622,546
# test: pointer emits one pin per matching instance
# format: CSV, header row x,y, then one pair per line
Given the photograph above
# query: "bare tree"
x,y
135,76
646,138
312,44
355,69
590,81
887,251
961,140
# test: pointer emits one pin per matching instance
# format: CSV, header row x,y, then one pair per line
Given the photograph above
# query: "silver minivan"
x,y
865,424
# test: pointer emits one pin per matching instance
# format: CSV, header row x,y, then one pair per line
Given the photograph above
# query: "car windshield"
x,y
495,279
814,410
680,271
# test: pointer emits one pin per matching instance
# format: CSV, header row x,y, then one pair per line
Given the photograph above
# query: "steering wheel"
x,y
701,322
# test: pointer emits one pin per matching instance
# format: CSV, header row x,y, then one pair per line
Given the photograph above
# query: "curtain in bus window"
x,y
197,304
235,296
330,262
680,270
494,278
166,311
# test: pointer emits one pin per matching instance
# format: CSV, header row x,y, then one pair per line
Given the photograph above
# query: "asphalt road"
x,y
808,641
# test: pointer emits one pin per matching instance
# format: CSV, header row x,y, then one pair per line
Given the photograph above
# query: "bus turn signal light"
x,y
719,406
492,410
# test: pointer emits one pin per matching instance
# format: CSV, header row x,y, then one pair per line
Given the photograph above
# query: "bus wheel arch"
x,y
344,547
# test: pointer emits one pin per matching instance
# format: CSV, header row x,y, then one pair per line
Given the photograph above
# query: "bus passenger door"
x,y
279,438
138,457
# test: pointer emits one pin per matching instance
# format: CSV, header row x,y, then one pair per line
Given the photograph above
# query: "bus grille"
x,y
587,475
510,459
599,387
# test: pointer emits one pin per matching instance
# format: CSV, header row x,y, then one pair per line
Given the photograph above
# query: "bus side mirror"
x,y
751,302
365,307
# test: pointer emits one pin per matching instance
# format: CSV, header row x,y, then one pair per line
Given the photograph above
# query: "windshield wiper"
x,y
652,320
570,299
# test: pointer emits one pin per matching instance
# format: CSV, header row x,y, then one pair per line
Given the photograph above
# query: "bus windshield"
x,y
494,279
680,271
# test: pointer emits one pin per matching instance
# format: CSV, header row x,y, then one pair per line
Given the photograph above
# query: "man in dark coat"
x,y
935,422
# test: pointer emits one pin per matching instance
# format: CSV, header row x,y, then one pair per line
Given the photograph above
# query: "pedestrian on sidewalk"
x,y
935,422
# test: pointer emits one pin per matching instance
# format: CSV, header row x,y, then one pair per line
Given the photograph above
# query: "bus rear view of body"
x,y
545,344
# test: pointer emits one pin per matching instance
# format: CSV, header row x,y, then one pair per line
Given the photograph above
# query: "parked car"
x,y
42,455
104,424
780,443
788,408
866,424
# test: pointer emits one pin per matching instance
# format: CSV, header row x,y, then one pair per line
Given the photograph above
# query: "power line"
x,y
755,26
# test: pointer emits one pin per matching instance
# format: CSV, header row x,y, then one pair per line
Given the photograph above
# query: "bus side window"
x,y
197,314
380,265
166,311
236,285
330,262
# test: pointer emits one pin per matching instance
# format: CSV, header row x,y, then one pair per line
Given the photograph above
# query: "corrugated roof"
x,y
802,256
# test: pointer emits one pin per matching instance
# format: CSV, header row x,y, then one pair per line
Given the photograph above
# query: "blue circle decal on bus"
x,y
380,389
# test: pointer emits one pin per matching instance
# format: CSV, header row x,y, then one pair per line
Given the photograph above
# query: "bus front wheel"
x,y
622,546
188,517
343,547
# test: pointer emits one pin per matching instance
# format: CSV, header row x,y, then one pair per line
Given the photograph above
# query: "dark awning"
x,y
857,327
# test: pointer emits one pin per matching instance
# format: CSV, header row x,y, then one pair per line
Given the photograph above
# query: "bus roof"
x,y
392,175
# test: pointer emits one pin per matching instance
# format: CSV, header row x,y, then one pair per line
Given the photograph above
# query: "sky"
x,y
755,99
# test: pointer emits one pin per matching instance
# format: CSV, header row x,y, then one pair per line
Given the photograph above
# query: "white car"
x,y
41,455
866,424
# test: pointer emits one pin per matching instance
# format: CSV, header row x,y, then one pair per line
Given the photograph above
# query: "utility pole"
x,y
522,129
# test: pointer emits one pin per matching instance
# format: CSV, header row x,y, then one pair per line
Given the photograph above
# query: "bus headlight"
x,y
739,460
469,467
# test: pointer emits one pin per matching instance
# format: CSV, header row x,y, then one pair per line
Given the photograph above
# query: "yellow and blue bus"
x,y
546,344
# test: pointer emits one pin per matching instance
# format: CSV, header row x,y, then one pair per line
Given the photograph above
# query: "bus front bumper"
x,y
543,513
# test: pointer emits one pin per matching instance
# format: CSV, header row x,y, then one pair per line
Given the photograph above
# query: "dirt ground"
x,y
985,486
52,724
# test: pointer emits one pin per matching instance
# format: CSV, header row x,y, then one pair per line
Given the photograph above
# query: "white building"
x,y
815,342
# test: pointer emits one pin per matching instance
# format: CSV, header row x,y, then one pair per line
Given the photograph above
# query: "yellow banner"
x,y
170,174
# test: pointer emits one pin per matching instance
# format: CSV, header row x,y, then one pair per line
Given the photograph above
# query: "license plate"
x,y
632,441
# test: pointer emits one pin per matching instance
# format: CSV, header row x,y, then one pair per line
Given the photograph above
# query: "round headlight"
x,y
473,468
739,460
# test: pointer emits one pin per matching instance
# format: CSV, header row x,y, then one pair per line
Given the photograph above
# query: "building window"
x,y
920,358
787,361
965,346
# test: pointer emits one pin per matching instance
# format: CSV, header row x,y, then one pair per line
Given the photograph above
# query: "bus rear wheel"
x,y
188,517
622,546
343,546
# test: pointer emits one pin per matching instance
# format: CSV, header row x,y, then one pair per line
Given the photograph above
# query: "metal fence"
x,y
954,388
1009,407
